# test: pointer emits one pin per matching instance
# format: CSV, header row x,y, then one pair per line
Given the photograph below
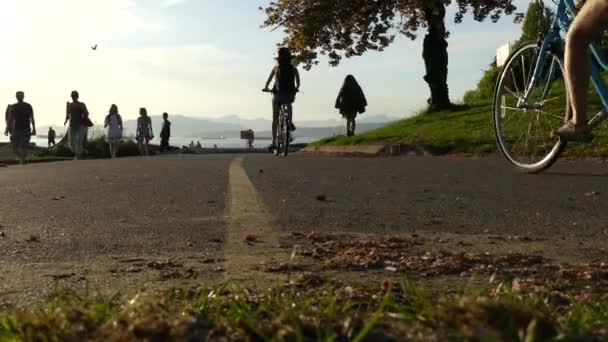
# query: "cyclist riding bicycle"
x,y
589,24
286,85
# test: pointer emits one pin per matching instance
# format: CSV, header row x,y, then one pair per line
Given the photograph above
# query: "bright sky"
x,y
204,58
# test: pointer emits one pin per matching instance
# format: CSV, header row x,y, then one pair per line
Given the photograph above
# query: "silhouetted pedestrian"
x,y
351,101
20,124
6,113
165,133
78,116
51,136
113,123
144,132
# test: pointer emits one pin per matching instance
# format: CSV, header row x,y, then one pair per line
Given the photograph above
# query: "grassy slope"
x,y
468,129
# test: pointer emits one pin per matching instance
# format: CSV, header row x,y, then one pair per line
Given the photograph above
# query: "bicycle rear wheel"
x,y
524,126
283,133
286,135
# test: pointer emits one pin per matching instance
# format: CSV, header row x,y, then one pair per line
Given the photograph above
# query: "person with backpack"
x,y
351,101
286,85
113,123
77,115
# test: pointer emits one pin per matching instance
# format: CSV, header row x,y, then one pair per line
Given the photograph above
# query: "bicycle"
x,y
283,133
531,100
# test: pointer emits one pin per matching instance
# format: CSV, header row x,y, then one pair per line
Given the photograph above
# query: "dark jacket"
x,y
351,100
165,133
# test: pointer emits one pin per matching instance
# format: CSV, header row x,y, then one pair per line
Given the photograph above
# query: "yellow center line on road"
x,y
247,215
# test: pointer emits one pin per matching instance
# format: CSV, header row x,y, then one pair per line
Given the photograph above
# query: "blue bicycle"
x,y
531,100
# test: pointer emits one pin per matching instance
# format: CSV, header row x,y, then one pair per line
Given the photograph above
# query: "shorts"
x,y
280,98
21,138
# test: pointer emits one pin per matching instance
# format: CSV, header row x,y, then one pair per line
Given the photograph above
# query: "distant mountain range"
x,y
230,126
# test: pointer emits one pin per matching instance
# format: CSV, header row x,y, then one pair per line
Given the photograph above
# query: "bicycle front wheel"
x,y
528,109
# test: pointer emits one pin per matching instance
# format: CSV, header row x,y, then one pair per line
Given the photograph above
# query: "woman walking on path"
x,y
113,123
21,126
144,132
78,116
351,101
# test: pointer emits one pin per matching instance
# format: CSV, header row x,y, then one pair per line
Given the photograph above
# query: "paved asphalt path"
x,y
100,222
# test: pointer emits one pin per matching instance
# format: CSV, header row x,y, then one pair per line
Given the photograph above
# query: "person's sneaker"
x,y
571,132
272,148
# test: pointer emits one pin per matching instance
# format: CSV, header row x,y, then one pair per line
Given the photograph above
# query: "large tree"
x,y
348,28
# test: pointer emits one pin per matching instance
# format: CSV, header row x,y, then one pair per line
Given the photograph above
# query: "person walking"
x,y
165,133
51,137
351,101
113,124
144,132
20,124
78,115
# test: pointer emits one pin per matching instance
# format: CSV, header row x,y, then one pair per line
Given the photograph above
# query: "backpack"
x,y
286,77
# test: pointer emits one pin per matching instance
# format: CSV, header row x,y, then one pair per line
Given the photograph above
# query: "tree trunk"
x,y
435,54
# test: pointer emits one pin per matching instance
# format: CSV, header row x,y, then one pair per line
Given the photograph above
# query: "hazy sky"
x,y
206,58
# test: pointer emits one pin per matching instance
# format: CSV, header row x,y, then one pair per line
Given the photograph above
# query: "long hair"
x,y
350,84
143,112
113,109
284,56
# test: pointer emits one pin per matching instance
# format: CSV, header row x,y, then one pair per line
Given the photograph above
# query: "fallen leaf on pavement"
x,y
250,238
62,276
321,198
386,285
212,260
313,236
188,274
133,269
162,265
2,234
59,198
33,238
284,268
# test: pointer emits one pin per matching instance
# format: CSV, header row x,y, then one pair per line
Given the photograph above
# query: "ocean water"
x,y
179,142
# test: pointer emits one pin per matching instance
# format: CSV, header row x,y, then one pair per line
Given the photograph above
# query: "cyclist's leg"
x,y
292,127
588,24
276,108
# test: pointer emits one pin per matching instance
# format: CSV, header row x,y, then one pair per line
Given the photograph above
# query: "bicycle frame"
x,y
564,17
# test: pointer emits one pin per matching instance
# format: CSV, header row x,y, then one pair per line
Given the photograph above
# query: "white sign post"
x,y
502,55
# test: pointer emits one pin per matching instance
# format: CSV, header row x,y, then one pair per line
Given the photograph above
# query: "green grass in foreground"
x,y
466,129
397,312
